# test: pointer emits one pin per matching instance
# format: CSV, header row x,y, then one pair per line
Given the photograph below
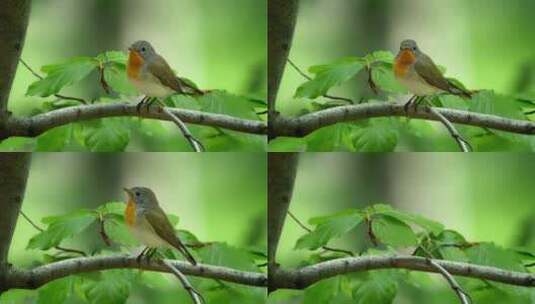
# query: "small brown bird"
x,y
419,74
148,223
152,75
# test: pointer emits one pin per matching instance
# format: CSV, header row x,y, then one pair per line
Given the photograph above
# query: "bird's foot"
x,y
140,256
409,103
141,103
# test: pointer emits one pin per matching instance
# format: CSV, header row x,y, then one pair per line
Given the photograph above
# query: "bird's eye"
x,y
143,49
137,193
414,48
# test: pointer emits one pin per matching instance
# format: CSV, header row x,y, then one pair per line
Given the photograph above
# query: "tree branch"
x,y
282,15
306,276
36,277
35,125
306,124
282,168
463,143
194,142
463,296
14,169
194,294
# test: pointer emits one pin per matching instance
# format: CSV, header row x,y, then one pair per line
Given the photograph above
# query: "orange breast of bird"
x,y
403,62
130,213
135,61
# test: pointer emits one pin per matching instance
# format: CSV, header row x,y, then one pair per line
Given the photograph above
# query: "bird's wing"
x,y
163,228
161,70
429,72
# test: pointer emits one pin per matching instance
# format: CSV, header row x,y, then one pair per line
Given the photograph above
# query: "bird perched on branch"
x,y
148,223
419,74
152,75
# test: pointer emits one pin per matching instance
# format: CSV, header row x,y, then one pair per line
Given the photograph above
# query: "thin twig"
x,y
310,78
103,83
463,143
80,100
463,296
195,295
102,230
60,248
326,248
194,142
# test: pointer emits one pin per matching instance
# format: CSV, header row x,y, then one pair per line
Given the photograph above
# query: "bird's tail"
x,y
458,90
185,252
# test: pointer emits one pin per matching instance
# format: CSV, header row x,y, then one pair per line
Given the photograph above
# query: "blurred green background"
x,y
486,197
484,44
204,190
217,44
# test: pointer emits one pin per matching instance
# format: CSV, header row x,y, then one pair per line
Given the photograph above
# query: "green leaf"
x,y
331,138
185,102
113,56
326,292
54,139
488,102
110,287
489,254
115,77
116,230
393,232
379,287
61,75
329,227
104,135
56,291
222,102
287,144
427,224
327,76
379,57
383,77
60,228
17,144
112,207
378,135
222,254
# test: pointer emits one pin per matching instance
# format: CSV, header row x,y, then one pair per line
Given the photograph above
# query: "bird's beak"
x,y
128,192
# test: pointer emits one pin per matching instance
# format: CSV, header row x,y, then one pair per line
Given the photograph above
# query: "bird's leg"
x,y
150,102
138,259
150,254
406,106
140,104
417,102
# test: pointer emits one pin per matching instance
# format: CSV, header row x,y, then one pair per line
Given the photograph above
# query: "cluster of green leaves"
x,y
106,225
388,231
115,134
390,134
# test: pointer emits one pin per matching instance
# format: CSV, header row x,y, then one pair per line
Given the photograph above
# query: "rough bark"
x,y
14,16
13,175
282,15
282,169
306,124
